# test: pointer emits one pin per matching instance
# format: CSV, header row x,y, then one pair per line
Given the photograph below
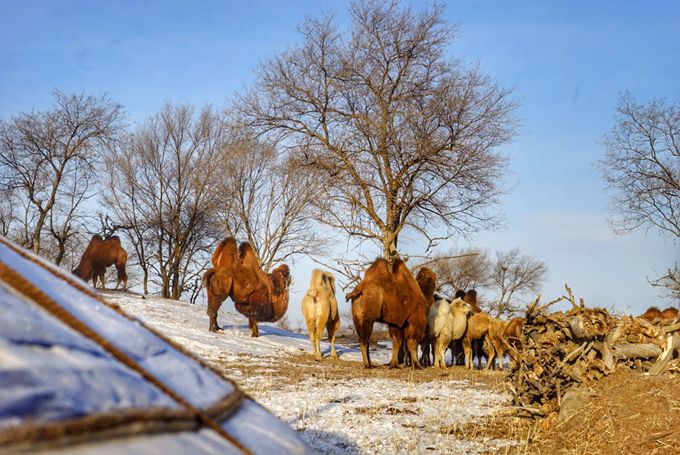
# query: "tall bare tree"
x,y
641,166
404,137
515,274
266,199
46,158
163,187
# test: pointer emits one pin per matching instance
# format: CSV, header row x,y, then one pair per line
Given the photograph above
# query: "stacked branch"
x,y
563,350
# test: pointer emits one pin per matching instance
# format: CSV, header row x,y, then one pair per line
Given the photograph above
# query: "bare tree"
x,y
462,270
168,197
266,199
641,166
404,137
670,282
515,274
46,158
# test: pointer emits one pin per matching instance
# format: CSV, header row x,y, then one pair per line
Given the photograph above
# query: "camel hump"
x,y
317,278
248,255
330,279
224,253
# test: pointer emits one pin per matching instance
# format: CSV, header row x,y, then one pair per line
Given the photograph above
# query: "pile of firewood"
x,y
563,350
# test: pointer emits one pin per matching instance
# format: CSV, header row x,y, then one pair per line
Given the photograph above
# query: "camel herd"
x,y
388,293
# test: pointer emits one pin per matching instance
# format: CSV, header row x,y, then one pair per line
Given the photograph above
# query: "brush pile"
x,y
564,350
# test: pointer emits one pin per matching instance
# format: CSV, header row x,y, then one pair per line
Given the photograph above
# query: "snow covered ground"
x,y
337,406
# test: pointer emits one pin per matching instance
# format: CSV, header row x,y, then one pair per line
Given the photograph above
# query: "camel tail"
x,y
208,277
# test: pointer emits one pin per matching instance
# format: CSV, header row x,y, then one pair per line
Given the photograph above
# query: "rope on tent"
x,y
22,285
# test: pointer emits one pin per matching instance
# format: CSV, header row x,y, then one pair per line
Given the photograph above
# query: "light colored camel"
x,y
446,322
320,309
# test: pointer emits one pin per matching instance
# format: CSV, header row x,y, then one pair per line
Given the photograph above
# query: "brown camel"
x,y
236,273
390,295
99,255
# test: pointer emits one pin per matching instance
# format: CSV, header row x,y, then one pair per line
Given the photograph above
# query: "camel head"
x,y
281,278
460,306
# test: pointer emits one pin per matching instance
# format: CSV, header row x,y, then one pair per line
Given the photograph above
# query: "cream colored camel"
x,y
320,309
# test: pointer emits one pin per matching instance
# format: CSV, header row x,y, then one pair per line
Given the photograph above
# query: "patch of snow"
x,y
353,415
187,325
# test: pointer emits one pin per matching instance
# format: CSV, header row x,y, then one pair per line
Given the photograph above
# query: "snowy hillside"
x,y
337,406
188,325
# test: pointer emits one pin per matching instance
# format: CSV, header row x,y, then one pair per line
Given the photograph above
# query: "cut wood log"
x,y
636,351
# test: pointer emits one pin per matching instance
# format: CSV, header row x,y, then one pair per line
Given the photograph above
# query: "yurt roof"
x,y
78,375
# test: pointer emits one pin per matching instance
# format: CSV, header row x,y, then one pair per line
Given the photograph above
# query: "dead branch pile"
x,y
563,350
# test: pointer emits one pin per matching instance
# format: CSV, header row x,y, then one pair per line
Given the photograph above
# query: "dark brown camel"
x,y
390,295
427,281
99,255
236,273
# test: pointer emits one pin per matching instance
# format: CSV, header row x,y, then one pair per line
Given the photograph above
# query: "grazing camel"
x,y
99,255
320,309
236,273
390,295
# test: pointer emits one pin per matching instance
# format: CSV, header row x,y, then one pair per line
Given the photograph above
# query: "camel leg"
x,y
467,349
427,346
214,304
412,344
311,329
364,331
254,331
331,328
499,353
436,354
491,355
122,276
397,338
102,278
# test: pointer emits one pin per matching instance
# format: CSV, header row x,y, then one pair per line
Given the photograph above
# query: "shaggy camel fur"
x,y
669,313
427,281
390,295
320,309
99,255
236,273
446,321
651,314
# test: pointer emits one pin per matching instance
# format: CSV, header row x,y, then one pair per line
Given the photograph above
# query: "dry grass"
x,y
631,413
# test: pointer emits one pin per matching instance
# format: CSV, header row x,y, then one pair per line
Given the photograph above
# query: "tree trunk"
x,y
390,250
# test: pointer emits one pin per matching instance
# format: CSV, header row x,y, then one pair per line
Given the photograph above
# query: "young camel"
x,y
320,309
446,322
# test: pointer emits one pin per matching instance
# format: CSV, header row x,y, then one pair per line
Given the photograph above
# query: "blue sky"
x,y
567,63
